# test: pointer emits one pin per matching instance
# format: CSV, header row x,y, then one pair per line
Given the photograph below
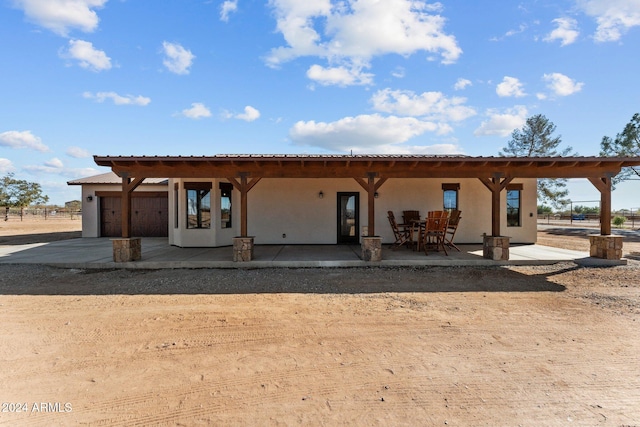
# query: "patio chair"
x,y
435,231
452,227
408,216
401,232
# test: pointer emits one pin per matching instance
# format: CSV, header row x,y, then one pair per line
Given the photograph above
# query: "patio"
x,y
158,254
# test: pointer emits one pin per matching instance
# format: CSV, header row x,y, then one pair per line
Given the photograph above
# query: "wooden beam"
x,y
371,191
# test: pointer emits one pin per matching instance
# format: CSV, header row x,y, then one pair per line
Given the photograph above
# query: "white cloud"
x,y
229,6
566,31
177,58
398,72
502,124
6,166
55,167
60,16
462,84
118,99
197,111
77,153
24,139
87,56
350,34
562,85
250,114
521,29
340,76
429,105
510,86
363,134
614,17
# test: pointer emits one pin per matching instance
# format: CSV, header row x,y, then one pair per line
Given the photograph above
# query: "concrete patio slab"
x,y
157,254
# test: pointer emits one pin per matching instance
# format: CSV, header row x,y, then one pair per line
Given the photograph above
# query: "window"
x,y
513,205
450,196
225,204
198,204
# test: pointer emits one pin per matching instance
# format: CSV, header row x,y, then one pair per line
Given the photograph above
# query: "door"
x,y
348,218
149,216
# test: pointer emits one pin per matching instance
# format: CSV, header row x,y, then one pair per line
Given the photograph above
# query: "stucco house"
x,y
242,200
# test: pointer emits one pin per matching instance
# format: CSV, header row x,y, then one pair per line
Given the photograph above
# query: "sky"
x,y
204,77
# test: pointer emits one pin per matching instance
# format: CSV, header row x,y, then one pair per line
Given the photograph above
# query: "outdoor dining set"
x,y
435,232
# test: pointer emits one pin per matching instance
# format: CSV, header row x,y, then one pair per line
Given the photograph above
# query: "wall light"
x,y
89,198
320,194
376,195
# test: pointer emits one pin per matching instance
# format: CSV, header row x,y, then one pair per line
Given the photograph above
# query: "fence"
x,y
49,213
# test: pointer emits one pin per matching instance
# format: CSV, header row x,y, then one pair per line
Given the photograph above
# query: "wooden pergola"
x,y
369,171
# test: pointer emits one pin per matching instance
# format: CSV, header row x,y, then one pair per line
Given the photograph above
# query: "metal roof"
x,y
110,178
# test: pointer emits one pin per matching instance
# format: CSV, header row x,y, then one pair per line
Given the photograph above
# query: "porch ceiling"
x,y
346,166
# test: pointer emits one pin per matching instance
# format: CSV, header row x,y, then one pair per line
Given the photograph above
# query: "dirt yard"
x,y
552,345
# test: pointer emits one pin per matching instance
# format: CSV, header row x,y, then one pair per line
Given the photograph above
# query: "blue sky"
x,y
187,77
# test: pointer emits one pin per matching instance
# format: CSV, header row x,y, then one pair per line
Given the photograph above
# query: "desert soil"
x,y
547,345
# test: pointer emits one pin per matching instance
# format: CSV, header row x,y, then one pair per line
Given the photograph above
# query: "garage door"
x,y
149,216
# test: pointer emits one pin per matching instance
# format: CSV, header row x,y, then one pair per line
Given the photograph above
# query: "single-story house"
x,y
333,199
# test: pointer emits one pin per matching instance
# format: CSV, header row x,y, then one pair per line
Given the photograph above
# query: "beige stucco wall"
x,y
292,207
90,210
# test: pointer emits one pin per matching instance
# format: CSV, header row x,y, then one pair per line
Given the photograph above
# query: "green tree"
x,y
536,139
18,193
625,144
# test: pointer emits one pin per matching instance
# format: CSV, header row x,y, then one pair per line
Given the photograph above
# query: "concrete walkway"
x,y
157,254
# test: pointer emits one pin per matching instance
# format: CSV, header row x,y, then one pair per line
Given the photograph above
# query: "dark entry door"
x,y
348,218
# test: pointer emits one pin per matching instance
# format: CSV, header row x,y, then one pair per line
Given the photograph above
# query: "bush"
x,y
619,221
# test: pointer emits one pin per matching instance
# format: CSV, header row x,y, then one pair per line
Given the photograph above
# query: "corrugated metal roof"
x,y
111,178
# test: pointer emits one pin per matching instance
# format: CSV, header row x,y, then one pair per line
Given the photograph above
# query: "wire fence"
x,y
26,214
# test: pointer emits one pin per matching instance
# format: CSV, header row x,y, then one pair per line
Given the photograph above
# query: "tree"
x,y
18,193
536,139
625,144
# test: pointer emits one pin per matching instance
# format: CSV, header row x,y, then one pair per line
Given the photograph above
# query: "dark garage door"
x,y
149,216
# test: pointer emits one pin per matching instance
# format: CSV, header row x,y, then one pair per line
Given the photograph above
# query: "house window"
x,y
514,193
198,204
450,196
225,204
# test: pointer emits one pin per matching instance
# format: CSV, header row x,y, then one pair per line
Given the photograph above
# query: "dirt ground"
x,y
547,345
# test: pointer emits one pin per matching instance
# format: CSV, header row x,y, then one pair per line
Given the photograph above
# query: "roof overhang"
x,y
350,166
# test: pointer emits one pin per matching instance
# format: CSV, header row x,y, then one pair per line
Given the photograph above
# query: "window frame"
x,y
226,191
511,189
455,187
203,191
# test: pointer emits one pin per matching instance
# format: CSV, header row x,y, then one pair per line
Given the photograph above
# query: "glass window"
x,y
225,204
513,208
450,199
198,208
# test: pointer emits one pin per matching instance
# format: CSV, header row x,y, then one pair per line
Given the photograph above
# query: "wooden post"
x,y
127,188
603,184
495,186
244,186
371,187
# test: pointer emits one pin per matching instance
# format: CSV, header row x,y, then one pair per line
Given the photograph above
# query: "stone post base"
x,y
127,249
242,249
496,248
372,248
606,247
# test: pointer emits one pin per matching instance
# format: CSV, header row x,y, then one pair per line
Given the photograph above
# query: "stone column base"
x,y
496,248
372,248
606,247
127,249
242,249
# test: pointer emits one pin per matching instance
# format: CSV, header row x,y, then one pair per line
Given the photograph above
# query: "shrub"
x,y
619,221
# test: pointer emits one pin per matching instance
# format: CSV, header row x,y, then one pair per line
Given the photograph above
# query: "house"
x,y
332,199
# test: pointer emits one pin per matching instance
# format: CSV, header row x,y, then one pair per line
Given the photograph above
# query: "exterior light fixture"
x,y
89,198
320,194
376,195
